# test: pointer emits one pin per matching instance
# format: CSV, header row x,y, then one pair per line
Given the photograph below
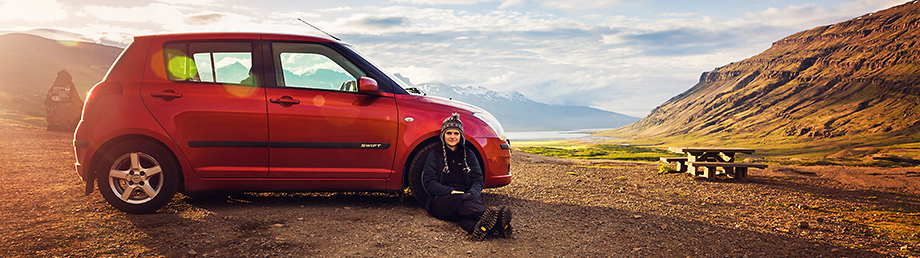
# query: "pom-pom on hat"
x,y
452,122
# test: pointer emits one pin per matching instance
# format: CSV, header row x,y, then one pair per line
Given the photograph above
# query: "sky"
x,y
625,56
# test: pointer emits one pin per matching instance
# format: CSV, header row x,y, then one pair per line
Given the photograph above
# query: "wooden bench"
x,y
732,169
681,162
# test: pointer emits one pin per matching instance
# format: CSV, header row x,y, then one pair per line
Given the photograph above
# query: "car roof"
x,y
238,35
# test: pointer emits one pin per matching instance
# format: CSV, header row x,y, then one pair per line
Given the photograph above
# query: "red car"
x,y
208,112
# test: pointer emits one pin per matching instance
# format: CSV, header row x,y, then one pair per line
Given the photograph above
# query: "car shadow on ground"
x,y
369,224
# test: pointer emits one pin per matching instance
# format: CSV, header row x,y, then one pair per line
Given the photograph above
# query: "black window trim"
x,y
256,63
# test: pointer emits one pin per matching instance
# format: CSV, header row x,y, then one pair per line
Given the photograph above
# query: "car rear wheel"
x,y
138,176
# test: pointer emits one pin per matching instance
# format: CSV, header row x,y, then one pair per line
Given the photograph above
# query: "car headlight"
x,y
492,122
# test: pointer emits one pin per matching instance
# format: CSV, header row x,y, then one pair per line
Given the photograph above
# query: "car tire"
x,y
138,176
415,172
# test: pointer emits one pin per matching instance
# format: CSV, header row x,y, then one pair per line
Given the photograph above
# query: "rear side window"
x,y
314,66
209,62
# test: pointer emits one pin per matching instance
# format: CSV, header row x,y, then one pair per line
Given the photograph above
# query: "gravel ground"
x,y
563,208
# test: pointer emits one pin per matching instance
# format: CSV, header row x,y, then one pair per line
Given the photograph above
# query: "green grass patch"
x,y
600,151
666,169
897,225
562,144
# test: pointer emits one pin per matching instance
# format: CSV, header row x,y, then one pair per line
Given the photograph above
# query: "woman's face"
x,y
452,137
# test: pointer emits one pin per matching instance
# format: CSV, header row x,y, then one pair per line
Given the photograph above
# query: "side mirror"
x,y
368,86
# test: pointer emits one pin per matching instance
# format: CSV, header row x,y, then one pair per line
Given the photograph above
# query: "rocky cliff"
x,y
852,79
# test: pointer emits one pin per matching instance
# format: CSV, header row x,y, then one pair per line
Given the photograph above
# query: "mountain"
x,y
847,85
518,113
31,63
318,78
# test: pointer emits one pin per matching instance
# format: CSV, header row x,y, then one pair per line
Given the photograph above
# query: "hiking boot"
x,y
503,227
486,224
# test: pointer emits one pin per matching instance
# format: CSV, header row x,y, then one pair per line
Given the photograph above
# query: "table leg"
x,y
709,172
729,170
692,170
741,173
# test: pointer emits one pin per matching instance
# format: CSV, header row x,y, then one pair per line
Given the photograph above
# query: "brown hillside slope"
x,y
850,84
31,63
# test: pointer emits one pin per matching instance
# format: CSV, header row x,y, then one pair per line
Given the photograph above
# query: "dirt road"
x,y
562,209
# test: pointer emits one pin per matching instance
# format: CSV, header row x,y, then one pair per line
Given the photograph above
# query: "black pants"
x,y
463,208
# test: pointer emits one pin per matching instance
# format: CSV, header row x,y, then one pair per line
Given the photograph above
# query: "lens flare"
x,y
182,68
240,91
68,43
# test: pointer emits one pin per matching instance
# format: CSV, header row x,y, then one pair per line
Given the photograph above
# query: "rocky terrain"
x,y
563,208
841,86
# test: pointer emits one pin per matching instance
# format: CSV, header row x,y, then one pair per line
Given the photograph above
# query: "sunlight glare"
x,y
180,69
68,43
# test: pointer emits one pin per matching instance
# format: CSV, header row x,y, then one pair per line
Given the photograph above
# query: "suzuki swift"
x,y
205,112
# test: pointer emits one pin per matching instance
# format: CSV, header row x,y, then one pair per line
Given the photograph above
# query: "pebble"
x,y
804,225
192,252
278,225
637,216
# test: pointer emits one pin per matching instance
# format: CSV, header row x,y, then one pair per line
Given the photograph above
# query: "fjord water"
x,y
551,135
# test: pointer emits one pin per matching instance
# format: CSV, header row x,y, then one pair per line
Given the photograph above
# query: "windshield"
x,y
392,76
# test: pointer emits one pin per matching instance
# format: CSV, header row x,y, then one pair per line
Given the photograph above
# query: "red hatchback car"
x,y
208,112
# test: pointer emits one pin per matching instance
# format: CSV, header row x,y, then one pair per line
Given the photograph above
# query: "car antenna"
x,y
311,25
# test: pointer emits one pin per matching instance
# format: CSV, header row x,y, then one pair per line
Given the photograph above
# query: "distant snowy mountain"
x,y
517,113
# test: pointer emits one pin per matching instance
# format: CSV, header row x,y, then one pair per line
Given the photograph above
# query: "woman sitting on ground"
x,y
454,181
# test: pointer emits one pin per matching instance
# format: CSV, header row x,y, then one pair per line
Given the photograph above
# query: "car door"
x,y
212,107
320,126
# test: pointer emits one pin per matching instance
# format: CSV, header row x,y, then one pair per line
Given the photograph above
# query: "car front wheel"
x,y
138,176
415,172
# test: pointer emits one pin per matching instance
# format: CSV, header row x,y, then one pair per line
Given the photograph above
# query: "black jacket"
x,y
437,183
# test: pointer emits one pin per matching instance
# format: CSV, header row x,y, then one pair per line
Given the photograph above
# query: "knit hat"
x,y
453,122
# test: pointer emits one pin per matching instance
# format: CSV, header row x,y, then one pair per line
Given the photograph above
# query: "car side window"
x,y
314,66
210,62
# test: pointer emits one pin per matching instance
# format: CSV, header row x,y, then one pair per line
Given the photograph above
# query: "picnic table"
x,y
706,161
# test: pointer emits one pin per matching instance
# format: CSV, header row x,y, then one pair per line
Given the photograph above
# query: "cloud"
x,y
581,4
375,22
32,10
204,19
407,19
811,15
442,2
511,3
187,2
417,75
155,12
679,14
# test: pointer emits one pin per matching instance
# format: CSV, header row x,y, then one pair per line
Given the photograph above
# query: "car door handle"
x,y
285,101
167,95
